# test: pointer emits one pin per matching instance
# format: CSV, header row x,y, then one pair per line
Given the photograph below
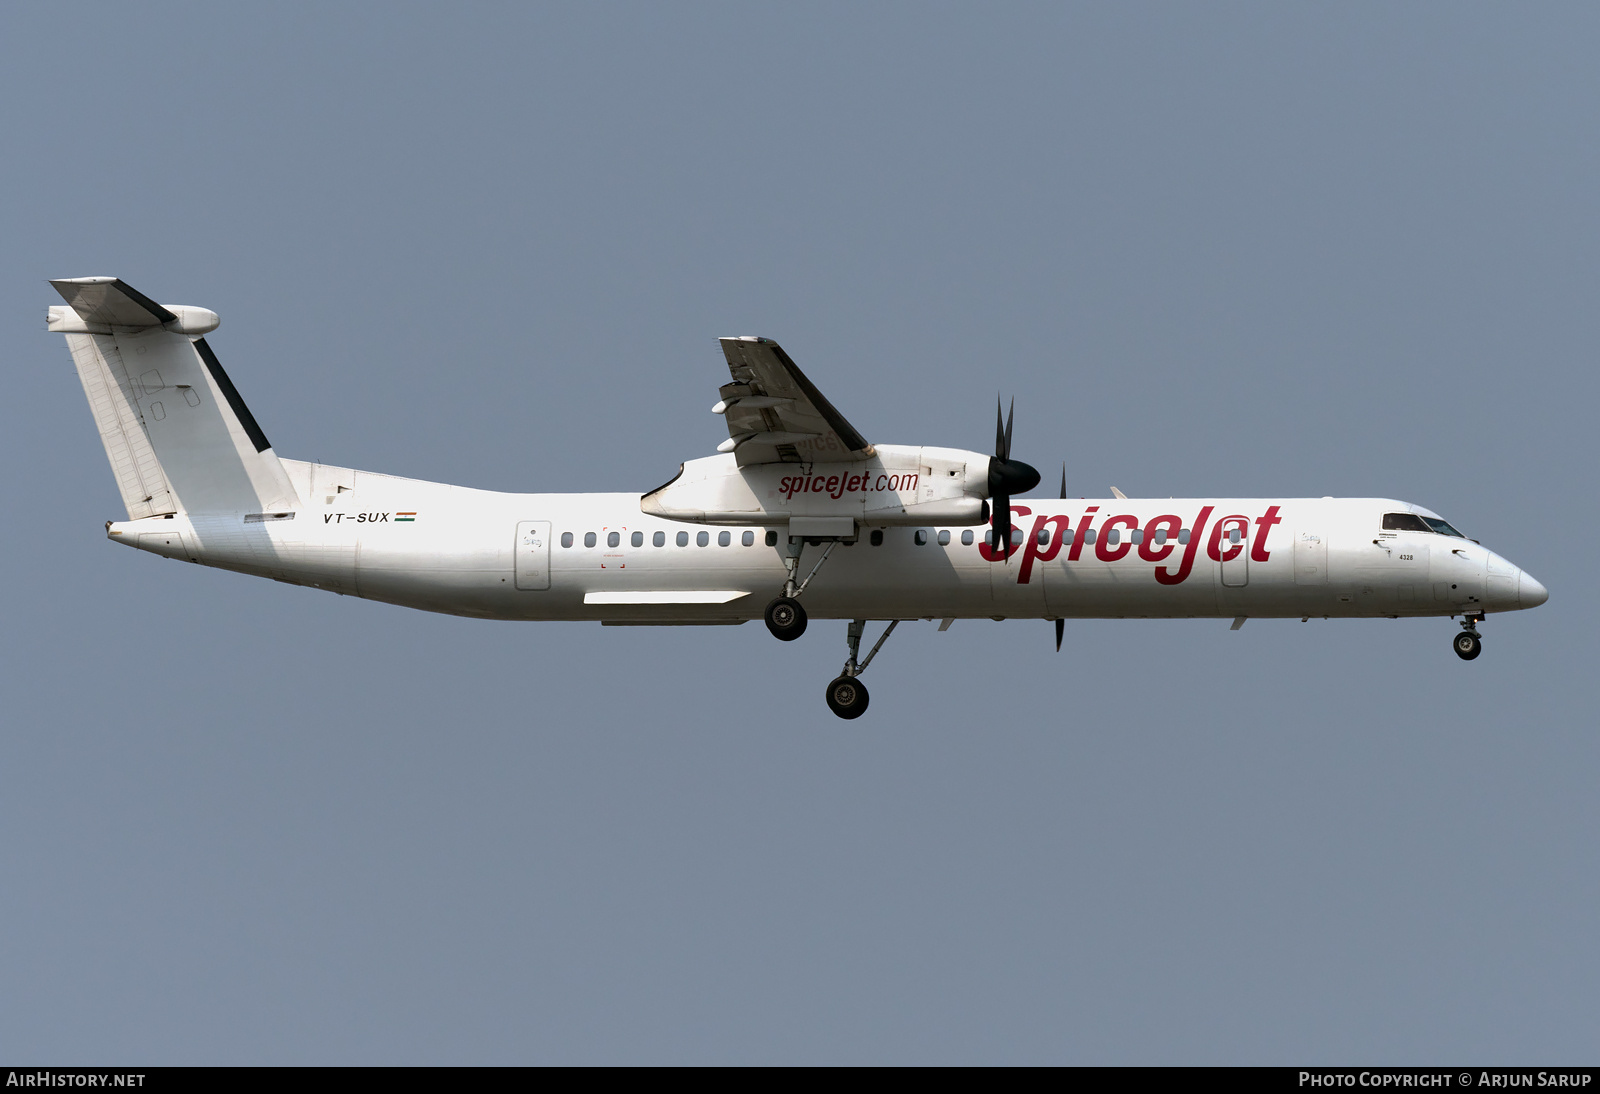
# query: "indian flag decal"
x,y
398,517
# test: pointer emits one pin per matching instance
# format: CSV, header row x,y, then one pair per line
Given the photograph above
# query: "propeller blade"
x,y
1061,629
1007,477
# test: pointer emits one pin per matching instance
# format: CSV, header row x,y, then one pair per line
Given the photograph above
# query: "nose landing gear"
x,y
1468,644
847,695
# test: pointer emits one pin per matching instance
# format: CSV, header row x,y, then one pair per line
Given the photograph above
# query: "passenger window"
x,y
1044,537
659,539
1233,534
944,537
772,539
683,539
1088,536
1161,535
588,539
723,539
877,537
566,539
1404,522
1183,535
701,539
612,539
748,539
638,539
1114,535
1137,535
966,538
920,537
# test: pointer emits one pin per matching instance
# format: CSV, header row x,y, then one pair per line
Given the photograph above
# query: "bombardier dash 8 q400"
x,y
796,515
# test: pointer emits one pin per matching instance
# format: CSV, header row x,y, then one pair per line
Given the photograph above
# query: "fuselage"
x,y
496,555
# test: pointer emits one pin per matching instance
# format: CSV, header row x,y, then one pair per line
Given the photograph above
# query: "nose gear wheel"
x,y
847,697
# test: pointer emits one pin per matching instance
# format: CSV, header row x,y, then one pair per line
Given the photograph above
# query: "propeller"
x,y
1061,624
1006,477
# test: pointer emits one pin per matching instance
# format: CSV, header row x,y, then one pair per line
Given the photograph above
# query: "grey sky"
x,y
1220,249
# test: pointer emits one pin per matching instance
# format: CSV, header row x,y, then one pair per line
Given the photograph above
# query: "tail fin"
x,y
178,436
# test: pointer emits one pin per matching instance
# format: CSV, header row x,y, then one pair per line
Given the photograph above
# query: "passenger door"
x,y
1310,559
533,554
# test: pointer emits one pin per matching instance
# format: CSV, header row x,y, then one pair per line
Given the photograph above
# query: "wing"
x,y
776,415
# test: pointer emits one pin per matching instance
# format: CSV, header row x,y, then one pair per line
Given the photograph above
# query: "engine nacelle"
x,y
898,484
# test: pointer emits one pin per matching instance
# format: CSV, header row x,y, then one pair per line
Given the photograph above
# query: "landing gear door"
x,y
533,554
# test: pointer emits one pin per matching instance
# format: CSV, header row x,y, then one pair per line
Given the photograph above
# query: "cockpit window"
x,y
1410,522
1404,522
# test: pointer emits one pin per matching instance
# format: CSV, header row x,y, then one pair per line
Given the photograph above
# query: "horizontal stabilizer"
x,y
104,305
110,301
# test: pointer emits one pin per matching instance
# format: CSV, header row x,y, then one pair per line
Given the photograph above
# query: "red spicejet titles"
x,y
837,486
1149,549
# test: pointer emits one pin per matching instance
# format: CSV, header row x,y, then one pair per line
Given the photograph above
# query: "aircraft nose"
x,y
1530,594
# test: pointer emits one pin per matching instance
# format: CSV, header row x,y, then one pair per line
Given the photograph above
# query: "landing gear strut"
x,y
786,619
1468,644
847,695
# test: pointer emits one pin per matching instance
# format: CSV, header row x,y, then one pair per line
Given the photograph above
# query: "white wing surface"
x,y
776,415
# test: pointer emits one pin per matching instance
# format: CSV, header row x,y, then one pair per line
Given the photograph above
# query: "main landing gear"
x,y
786,619
847,695
1468,644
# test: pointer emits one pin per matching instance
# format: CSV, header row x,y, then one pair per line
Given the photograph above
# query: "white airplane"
x,y
796,515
